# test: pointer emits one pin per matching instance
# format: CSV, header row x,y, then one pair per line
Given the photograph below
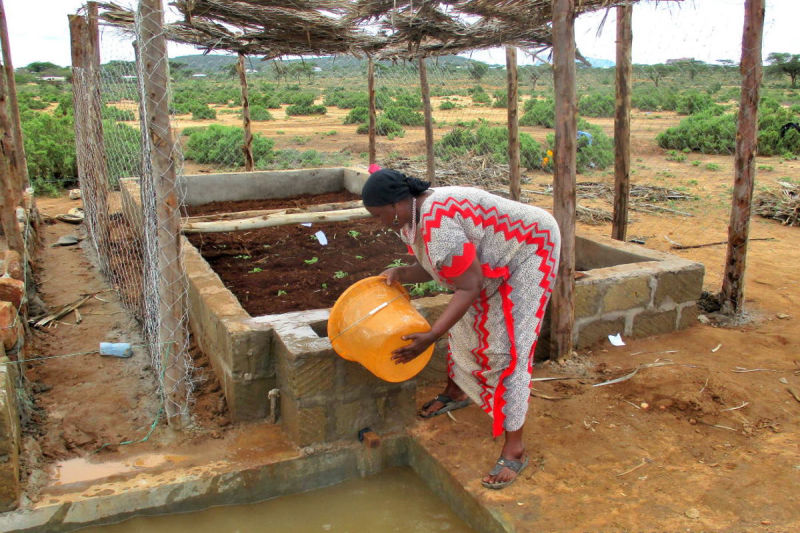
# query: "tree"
x,y
783,63
281,70
42,66
655,72
477,70
534,73
690,66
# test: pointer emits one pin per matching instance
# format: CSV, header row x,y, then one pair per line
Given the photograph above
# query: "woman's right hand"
x,y
393,275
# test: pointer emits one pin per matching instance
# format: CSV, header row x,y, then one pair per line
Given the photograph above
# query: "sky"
x,y
706,30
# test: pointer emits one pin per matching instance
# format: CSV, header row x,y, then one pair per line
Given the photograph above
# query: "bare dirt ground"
x,y
706,442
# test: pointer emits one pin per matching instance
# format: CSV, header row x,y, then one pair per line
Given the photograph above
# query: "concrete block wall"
x,y
324,398
240,354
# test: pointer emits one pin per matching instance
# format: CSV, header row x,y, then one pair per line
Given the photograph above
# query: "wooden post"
x,y
248,132
371,92
732,294
622,124
426,105
513,124
153,52
13,104
10,192
97,154
562,314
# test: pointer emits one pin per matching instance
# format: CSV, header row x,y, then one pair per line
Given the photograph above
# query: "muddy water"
x,y
394,500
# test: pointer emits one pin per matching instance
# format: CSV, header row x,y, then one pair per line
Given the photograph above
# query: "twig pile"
x,y
783,205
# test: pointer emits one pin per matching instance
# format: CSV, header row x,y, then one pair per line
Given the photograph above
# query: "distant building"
x,y
199,75
679,60
52,78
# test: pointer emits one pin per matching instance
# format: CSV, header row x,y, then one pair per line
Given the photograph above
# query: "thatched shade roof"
x,y
407,28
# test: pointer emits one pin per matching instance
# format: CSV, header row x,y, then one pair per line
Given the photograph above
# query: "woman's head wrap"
x,y
386,187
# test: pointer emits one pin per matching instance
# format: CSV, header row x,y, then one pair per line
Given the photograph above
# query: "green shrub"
x,y
49,141
500,99
305,109
539,113
202,112
486,140
447,104
597,104
383,126
123,149
297,98
405,98
357,115
258,112
404,115
269,100
117,114
692,102
649,98
222,145
344,99
481,98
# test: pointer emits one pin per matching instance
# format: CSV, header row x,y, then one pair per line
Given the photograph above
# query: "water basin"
x,y
394,500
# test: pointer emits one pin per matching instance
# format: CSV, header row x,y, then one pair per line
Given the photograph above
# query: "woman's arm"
x,y
406,274
467,289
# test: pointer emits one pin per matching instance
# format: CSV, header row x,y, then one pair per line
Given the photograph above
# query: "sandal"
x,y
449,405
502,462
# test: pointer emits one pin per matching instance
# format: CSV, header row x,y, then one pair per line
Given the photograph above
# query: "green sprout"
x,y
354,233
256,270
311,261
397,263
339,274
281,292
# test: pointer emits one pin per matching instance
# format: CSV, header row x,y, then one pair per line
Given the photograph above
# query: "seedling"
x,y
397,263
256,270
324,285
354,233
339,274
359,257
281,292
241,256
311,261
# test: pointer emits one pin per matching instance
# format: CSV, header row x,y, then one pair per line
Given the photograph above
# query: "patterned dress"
x,y
517,246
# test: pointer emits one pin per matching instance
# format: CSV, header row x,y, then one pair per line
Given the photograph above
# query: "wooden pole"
x,y
13,104
248,132
9,181
562,314
371,92
153,51
97,154
426,105
513,124
732,294
622,124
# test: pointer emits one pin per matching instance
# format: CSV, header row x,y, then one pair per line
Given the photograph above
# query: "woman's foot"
x,y
505,471
452,392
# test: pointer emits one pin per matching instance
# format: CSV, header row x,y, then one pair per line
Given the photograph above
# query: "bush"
x,y
306,109
500,99
692,102
597,104
258,112
117,114
347,99
202,112
383,126
293,97
596,154
222,145
404,116
49,142
706,132
486,140
649,98
447,104
124,150
481,98
539,113
269,100
357,115
407,99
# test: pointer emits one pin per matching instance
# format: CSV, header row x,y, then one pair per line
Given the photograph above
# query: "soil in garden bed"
x,y
285,268
270,203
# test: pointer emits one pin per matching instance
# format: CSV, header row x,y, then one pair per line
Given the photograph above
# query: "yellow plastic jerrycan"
x,y
367,324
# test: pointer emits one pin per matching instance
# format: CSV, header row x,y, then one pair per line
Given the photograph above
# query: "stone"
x,y
591,332
310,376
13,265
647,324
12,290
587,299
680,286
626,293
74,194
304,425
688,316
11,328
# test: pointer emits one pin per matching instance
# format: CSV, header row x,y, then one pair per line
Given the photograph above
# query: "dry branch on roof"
x,y
409,28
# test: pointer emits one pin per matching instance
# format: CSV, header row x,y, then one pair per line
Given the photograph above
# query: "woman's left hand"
x,y
419,343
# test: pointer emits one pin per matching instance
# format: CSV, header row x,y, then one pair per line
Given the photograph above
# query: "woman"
x,y
500,258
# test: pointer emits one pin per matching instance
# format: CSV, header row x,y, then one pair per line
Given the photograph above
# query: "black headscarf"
x,y
386,187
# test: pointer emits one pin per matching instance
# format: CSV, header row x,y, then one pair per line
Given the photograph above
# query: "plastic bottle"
x,y
116,349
